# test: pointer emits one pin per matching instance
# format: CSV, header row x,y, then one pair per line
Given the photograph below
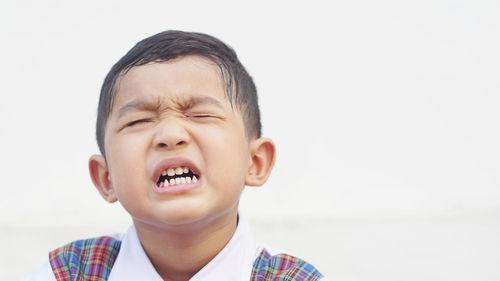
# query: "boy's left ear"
x,y
263,155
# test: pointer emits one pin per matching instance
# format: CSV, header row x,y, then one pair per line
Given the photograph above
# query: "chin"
x,y
183,216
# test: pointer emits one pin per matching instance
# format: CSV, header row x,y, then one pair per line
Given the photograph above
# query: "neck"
x,y
179,252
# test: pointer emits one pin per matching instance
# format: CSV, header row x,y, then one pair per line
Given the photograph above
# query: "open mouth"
x,y
176,176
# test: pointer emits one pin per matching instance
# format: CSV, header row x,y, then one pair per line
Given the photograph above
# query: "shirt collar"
x,y
234,262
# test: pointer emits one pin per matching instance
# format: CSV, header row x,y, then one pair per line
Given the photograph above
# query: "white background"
x,y
385,115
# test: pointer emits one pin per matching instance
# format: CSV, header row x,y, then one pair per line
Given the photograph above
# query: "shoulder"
x,y
102,244
93,256
284,267
87,257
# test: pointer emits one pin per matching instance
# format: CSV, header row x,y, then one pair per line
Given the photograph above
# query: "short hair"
x,y
239,86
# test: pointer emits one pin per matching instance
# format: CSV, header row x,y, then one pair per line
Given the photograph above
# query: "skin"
x,y
165,112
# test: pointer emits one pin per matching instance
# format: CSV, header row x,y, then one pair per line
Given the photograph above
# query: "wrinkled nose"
x,y
171,134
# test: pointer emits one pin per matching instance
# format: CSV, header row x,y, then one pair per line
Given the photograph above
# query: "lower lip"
x,y
177,188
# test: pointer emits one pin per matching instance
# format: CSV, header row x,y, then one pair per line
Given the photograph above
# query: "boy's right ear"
x,y
99,173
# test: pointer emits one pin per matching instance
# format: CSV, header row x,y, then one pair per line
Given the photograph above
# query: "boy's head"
x,y
179,126
168,45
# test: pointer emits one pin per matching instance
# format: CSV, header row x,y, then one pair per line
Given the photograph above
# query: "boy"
x,y
179,132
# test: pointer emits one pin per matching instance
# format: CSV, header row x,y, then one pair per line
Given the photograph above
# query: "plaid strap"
x,y
85,260
282,267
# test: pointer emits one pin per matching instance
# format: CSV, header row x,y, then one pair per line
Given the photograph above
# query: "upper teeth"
x,y
175,171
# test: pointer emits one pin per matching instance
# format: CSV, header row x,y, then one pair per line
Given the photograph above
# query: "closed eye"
x,y
200,115
204,117
130,124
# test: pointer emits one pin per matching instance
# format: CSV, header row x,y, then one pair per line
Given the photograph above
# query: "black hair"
x,y
172,44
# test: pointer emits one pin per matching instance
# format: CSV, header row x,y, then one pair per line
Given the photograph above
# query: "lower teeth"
x,y
179,180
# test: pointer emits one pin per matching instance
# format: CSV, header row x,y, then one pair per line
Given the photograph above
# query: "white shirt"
x,y
234,262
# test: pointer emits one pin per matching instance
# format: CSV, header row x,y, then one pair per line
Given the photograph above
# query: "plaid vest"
x,y
92,260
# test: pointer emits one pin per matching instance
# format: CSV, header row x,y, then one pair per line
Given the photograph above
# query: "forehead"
x,y
175,79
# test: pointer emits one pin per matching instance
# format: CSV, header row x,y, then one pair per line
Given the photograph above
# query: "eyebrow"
x,y
139,104
142,104
199,100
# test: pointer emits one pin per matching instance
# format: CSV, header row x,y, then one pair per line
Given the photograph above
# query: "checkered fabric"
x,y
282,267
92,260
85,260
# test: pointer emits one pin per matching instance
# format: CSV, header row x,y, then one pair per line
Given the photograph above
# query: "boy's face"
x,y
170,115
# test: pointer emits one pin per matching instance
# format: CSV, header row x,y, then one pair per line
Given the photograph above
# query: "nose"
x,y
171,134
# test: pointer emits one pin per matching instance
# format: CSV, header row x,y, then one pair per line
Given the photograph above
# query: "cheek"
x,y
126,158
128,146
227,157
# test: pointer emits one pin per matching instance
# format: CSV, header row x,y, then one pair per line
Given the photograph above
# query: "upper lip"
x,y
173,163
